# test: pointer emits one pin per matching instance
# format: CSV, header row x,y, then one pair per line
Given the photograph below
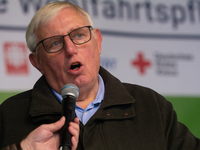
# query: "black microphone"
x,y
69,93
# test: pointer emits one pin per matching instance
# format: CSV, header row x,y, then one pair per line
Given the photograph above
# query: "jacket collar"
x,y
117,103
42,101
115,92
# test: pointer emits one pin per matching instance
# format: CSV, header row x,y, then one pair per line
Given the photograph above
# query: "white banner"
x,y
153,43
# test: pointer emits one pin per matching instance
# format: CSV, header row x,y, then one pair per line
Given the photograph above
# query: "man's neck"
x,y
84,100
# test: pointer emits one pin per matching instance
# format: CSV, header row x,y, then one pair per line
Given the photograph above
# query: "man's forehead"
x,y
67,20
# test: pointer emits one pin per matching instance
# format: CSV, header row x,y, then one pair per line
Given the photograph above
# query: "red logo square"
x,y
15,57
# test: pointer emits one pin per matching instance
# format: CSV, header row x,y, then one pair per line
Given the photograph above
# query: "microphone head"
x,y
70,89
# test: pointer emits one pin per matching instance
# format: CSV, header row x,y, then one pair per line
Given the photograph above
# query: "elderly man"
x,y
113,115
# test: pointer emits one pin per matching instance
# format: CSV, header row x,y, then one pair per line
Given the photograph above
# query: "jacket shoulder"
x,y
138,90
148,96
23,97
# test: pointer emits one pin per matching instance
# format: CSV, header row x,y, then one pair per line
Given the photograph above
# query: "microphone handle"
x,y
65,147
68,110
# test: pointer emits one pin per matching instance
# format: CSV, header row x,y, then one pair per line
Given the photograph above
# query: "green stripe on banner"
x,y
187,109
188,112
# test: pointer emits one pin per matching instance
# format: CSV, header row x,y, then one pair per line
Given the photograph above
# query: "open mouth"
x,y
75,66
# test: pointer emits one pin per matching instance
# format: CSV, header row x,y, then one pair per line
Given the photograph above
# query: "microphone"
x,y
69,93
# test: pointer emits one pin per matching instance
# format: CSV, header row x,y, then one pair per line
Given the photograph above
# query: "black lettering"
x,y
137,7
3,6
109,9
148,11
162,13
25,4
73,1
167,72
126,4
84,5
49,1
178,15
95,8
191,10
199,9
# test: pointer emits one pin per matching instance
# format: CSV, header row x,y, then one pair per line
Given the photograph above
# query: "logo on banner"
x,y
141,63
108,63
168,63
15,57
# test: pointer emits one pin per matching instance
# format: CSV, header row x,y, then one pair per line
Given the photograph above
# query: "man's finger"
x,y
54,127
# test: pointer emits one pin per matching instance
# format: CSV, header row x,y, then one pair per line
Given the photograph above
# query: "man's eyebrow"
x,y
73,28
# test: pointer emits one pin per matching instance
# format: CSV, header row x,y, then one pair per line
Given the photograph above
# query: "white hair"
x,y
47,14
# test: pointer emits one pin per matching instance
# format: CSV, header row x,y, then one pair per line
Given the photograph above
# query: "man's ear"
x,y
35,61
98,37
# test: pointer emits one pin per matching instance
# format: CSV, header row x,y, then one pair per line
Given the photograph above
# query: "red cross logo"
x,y
141,63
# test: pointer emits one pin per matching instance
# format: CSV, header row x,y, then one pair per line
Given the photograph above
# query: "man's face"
x,y
57,66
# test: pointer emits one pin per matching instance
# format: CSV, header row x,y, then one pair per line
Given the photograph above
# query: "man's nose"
x,y
69,47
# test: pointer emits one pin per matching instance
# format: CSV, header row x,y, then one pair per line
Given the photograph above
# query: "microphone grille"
x,y
70,89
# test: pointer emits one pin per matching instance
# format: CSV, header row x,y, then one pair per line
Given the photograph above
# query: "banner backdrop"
x,y
151,43
154,43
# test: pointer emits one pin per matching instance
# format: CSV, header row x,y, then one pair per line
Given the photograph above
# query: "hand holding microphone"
x,y
47,136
